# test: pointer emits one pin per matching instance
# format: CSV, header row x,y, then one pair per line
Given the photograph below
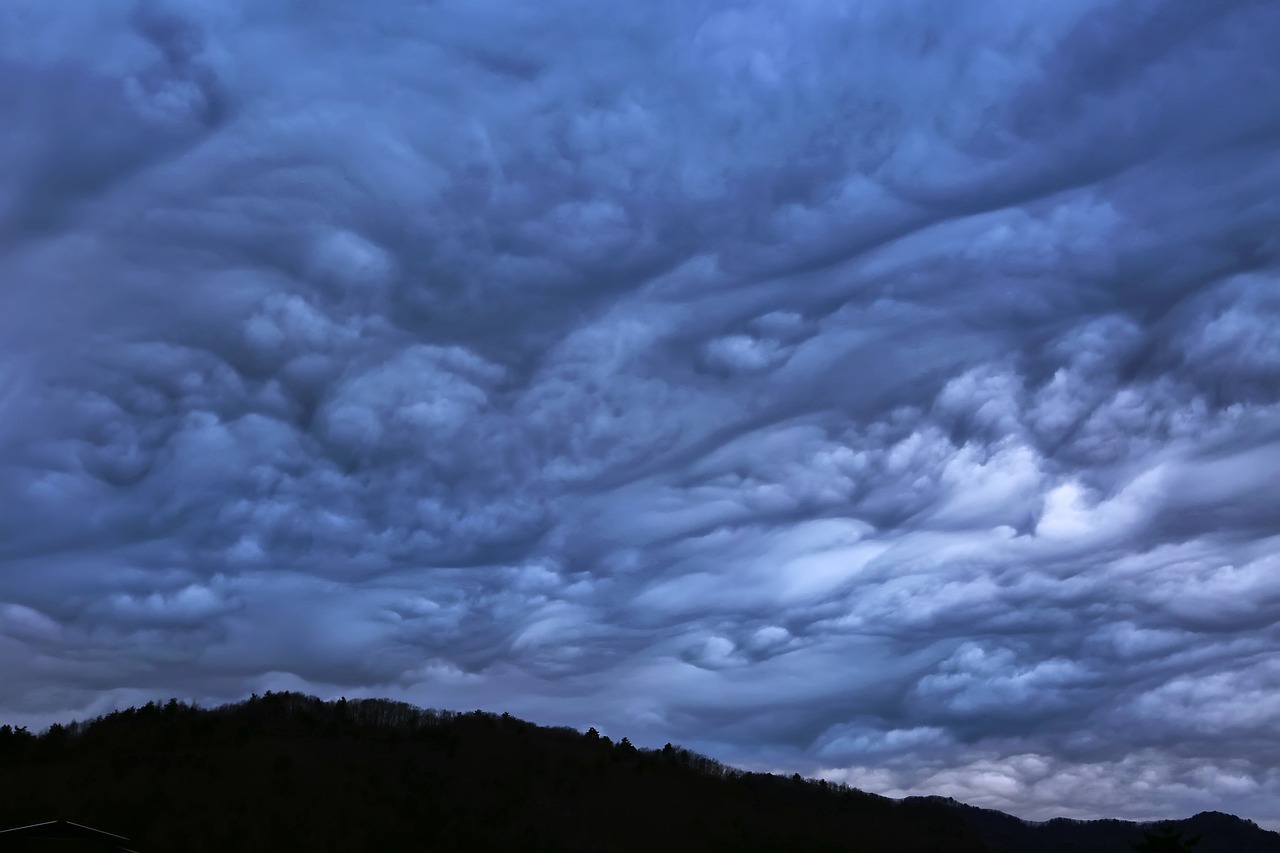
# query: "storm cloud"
x,y
888,391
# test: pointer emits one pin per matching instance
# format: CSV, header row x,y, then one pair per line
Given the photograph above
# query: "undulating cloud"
x,y
885,390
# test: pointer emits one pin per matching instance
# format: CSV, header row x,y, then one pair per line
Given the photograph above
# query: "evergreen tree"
x,y
1167,840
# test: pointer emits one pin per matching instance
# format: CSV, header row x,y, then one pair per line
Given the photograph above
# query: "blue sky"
x,y
882,390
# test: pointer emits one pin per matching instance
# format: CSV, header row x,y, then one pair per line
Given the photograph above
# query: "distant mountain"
x,y
1219,833
286,772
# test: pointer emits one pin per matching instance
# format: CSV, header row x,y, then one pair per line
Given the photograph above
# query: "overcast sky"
x,y
881,389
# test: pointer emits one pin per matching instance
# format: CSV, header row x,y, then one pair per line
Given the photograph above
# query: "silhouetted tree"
x,y
284,771
1167,840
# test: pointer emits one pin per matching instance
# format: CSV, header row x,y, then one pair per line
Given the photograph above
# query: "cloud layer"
x,y
886,390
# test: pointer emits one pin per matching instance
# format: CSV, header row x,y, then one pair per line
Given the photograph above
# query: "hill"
x,y
287,772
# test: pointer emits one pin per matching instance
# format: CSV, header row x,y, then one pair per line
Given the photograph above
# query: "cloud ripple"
x,y
886,390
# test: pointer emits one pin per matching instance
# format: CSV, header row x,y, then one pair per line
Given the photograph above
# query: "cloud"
x,y
881,389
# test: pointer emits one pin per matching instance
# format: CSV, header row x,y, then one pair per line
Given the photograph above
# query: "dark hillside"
x,y
288,772
1219,833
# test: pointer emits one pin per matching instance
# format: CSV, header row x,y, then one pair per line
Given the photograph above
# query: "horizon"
x,y
616,737
887,392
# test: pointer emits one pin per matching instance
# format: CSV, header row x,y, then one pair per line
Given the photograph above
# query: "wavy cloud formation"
x,y
886,390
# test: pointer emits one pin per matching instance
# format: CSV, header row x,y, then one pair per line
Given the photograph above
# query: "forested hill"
x,y
286,772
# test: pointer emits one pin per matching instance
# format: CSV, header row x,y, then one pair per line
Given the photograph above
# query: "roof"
x,y
66,829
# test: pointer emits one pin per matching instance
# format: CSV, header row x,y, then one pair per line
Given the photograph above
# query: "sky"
x,y
881,390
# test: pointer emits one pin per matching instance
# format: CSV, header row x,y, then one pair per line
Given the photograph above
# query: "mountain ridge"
x,y
300,773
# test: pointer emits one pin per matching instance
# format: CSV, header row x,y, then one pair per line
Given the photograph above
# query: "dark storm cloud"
x,y
886,390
